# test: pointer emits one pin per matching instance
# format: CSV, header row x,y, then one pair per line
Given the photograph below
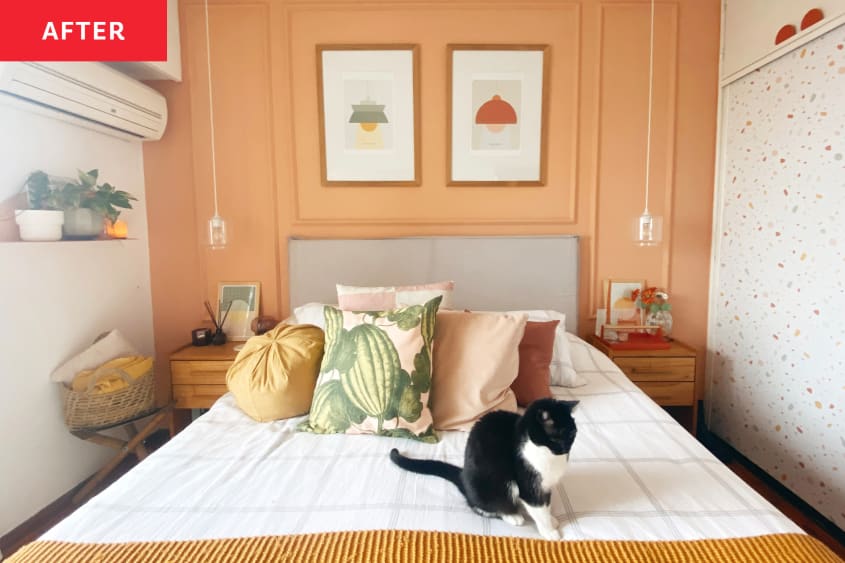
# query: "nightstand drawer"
x,y
657,369
197,396
198,372
669,393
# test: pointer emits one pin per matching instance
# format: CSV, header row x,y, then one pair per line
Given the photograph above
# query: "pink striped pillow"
x,y
356,298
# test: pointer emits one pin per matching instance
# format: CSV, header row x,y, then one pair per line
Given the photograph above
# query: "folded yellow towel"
x,y
109,374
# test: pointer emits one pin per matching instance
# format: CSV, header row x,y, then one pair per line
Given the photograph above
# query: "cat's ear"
x,y
571,404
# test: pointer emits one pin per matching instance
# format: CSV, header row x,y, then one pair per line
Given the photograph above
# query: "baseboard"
x,y
53,513
727,453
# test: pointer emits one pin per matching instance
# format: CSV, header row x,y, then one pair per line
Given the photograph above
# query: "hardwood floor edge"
x,y
726,453
38,523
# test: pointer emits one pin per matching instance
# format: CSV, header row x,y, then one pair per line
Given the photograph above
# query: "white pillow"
x,y
562,370
310,314
112,345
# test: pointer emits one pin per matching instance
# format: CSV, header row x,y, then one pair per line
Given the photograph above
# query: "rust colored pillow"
x,y
535,356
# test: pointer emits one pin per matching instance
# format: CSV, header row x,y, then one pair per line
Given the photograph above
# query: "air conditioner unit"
x,y
89,91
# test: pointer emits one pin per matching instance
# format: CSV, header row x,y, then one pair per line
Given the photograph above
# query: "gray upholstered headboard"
x,y
490,273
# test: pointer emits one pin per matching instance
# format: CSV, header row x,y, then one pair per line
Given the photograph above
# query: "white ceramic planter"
x,y
40,224
82,223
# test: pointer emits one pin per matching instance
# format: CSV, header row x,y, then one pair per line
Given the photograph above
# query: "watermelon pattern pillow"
x,y
375,377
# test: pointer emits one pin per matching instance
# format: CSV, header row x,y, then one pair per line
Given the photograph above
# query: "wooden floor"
x,y
823,530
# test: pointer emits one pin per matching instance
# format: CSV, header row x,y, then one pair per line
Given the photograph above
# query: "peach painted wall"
x,y
265,112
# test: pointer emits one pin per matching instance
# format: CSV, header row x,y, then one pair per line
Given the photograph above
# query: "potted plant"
x,y
108,201
44,219
87,204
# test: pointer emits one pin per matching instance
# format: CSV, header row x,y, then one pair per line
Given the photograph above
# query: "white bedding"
x,y
634,473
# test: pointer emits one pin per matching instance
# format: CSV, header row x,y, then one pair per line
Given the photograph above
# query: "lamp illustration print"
x,y
496,117
368,115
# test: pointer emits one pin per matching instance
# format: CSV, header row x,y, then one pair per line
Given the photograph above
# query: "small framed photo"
x,y
498,102
369,98
621,307
241,300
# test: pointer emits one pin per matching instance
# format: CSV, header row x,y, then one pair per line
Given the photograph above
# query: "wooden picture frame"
x,y
246,301
621,309
375,82
492,140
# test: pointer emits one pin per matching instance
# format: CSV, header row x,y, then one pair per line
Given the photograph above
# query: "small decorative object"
x,y
655,303
785,33
44,219
118,229
497,112
262,324
621,302
243,299
369,114
201,336
812,17
219,337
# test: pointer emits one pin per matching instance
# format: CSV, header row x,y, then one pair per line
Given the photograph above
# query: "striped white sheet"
x,y
634,473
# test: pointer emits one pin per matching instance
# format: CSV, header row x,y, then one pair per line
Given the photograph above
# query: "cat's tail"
x,y
442,469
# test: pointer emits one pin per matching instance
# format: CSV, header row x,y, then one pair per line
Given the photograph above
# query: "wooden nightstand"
x,y
667,376
198,378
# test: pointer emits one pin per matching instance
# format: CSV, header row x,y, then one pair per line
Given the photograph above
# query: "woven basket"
x,y
86,409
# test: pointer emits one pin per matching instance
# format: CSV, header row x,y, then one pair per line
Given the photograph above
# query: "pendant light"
x,y
216,225
648,229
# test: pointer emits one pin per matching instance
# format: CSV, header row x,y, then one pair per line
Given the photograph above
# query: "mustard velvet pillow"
x,y
376,373
274,374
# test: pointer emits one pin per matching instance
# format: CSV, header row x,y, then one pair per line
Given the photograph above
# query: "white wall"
x,y
776,337
56,298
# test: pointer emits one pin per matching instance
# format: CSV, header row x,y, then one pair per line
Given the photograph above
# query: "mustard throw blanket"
x,y
389,546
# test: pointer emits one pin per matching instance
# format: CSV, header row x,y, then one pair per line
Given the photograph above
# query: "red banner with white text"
x,y
84,30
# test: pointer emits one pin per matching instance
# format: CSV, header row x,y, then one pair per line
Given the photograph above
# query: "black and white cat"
x,y
511,461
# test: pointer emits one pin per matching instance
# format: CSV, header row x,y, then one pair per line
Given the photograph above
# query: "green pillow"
x,y
375,377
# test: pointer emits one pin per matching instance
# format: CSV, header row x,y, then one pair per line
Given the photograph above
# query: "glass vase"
x,y
661,318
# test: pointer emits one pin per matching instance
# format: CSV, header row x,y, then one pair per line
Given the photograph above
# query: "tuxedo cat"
x,y
511,461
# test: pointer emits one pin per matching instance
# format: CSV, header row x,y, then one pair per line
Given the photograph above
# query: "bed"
x,y
227,488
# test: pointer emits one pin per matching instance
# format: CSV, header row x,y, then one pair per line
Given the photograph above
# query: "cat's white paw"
x,y
514,519
551,534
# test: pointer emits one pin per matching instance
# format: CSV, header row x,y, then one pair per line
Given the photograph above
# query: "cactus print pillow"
x,y
376,373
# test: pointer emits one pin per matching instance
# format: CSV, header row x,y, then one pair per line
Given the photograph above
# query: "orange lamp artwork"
x,y
495,114
116,229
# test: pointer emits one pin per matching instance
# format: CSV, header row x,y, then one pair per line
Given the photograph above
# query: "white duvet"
x,y
634,473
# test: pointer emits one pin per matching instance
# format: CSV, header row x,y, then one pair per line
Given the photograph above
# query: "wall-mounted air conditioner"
x,y
89,91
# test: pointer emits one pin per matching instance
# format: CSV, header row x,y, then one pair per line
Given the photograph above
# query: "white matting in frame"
x,y
369,130
497,114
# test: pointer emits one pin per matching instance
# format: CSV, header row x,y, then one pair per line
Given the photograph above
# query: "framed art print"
x,y
241,300
369,114
621,307
497,114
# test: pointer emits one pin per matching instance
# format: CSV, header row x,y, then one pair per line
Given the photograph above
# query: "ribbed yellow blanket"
x,y
385,546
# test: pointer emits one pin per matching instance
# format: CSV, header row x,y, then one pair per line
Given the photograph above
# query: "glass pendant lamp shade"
x,y
216,232
648,229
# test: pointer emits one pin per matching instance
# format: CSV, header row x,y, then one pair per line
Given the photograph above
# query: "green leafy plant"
x,y
41,194
101,198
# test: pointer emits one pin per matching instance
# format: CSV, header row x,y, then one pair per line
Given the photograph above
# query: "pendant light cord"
x,y
211,110
650,94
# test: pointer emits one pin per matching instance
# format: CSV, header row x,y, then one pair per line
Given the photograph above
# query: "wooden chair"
x,y
134,443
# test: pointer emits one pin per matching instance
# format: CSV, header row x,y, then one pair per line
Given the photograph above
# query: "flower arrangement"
x,y
651,299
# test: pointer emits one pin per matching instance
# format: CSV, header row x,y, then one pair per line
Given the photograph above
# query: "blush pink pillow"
x,y
476,359
355,298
